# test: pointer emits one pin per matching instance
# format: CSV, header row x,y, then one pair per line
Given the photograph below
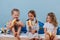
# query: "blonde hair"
x,y
53,18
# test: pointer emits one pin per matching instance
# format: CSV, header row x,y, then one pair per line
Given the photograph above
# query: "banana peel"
x,y
14,21
3,29
50,33
51,36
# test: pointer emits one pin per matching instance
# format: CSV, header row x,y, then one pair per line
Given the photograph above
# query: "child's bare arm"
x,y
45,30
19,30
54,31
9,25
20,23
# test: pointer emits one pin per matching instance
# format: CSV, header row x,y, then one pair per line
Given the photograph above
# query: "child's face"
x,y
15,15
31,17
49,19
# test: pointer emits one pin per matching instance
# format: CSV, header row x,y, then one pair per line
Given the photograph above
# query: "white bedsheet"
x,y
25,36
9,35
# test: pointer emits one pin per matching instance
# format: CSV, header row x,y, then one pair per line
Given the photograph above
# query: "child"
x,y
15,24
50,27
32,25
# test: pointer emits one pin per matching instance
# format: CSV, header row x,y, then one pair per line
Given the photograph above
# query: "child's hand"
x,y
15,34
33,31
54,34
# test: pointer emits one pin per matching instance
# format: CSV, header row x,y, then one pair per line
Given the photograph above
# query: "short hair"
x,y
15,10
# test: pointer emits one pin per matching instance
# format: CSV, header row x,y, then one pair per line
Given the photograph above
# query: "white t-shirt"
x,y
49,26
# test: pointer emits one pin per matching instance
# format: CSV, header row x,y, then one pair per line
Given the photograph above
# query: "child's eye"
x,y
16,15
30,16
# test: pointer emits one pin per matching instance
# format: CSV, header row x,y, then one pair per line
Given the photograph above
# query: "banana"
x,y
3,29
50,33
14,21
29,22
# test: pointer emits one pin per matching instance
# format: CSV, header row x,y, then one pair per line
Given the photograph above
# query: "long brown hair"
x,y
53,19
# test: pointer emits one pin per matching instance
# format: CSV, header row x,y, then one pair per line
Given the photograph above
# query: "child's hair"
x,y
53,18
33,13
15,10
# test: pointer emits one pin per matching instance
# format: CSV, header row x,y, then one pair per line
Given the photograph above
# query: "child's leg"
x,y
55,38
30,35
31,39
36,39
13,30
19,29
47,37
14,33
36,36
18,33
18,37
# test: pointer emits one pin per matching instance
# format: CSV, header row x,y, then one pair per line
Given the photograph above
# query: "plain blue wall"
x,y
42,7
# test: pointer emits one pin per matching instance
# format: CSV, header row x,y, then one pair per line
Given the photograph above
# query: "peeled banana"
x,y
13,21
50,33
29,22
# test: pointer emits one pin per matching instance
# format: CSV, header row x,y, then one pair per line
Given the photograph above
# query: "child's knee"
x,y
15,34
55,38
36,39
46,36
18,35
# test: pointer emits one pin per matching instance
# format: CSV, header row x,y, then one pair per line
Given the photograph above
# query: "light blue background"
x,y
42,7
